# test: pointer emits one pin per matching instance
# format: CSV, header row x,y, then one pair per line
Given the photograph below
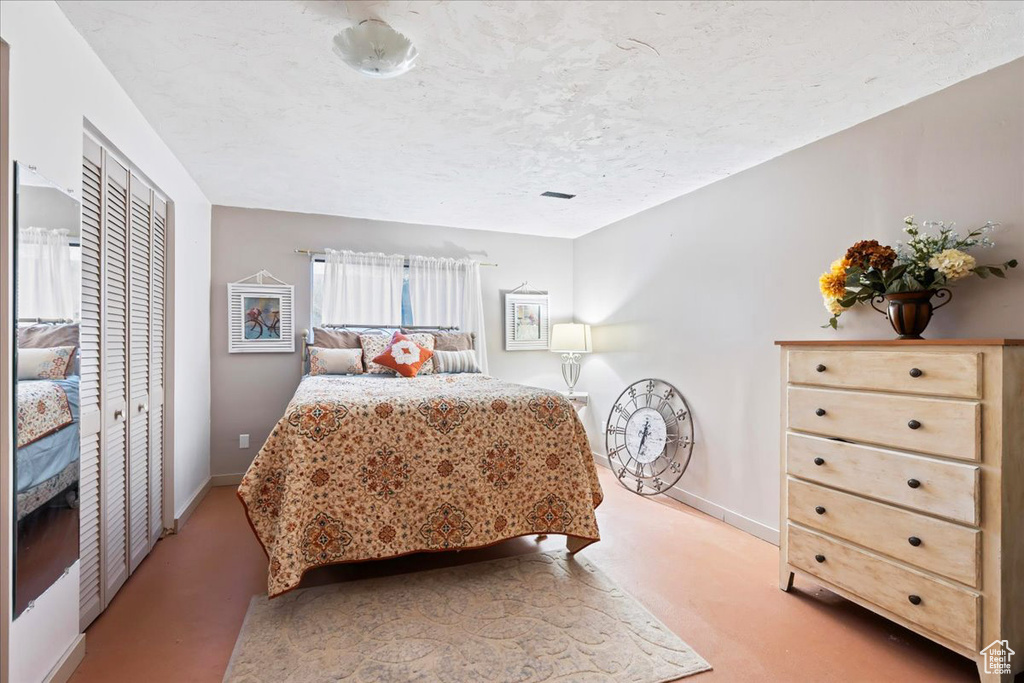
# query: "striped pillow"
x,y
455,361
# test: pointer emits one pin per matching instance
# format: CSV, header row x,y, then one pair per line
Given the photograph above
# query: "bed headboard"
x,y
307,335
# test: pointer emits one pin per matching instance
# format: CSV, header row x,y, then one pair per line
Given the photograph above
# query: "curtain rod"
x,y
314,252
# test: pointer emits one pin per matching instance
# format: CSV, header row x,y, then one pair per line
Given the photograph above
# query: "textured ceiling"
x,y
625,104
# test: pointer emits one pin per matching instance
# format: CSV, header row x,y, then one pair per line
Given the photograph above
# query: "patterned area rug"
x,y
537,617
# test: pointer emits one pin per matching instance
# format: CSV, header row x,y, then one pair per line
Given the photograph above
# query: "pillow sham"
x,y
404,356
375,344
47,336
335,339
335,361
48,363
455,361
452,341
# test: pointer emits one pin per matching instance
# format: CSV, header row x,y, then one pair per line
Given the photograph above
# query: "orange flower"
x,y
833,284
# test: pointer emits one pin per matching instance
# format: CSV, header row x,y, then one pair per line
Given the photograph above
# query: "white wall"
x,y
250,391
696,291
56,84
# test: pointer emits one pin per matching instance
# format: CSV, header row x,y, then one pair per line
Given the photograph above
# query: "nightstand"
x,y
578,399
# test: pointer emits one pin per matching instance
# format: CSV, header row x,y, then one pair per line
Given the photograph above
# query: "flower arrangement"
x,y
925,263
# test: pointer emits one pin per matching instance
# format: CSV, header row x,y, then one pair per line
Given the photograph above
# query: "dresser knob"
x,y
914,424
820,510
819,558
914,599
913,483
820,368
819,461
819,412
915,372
914,541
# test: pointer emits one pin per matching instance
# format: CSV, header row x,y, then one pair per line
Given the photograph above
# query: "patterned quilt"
x,y
43,408
370,467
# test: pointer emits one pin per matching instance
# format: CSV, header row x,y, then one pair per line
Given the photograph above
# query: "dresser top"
x,y
904,342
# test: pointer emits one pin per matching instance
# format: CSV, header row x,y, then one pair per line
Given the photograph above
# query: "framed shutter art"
x,y
261,316
526,320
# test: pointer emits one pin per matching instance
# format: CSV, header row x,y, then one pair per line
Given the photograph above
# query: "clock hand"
x,y
643,437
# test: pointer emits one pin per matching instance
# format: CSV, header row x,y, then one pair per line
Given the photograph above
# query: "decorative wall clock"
x,y
649,438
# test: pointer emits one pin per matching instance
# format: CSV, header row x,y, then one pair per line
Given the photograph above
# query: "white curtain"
x,y
47,279
446,292
362,289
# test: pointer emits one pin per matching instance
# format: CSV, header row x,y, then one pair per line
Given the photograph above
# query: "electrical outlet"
x,y
604,426
243,440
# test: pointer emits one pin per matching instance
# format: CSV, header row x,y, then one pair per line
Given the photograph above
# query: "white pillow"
x,y
45,363
323,361
455,361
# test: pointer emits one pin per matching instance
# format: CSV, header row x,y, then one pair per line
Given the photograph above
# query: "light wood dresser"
x,y
903,484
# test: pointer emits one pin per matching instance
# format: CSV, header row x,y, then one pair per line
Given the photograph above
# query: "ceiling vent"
x,y
557,195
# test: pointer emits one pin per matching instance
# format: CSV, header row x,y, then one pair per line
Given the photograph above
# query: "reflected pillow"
x,y
404,356
455,361
335,361
48,363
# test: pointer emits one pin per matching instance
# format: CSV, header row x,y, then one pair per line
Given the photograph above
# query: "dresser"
x,y
903,485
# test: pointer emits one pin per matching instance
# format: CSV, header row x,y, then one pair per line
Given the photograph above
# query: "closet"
x,y
122,374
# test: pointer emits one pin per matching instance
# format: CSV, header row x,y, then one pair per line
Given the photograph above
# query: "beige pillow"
x,y
450,341
335,339
335,361
375,344
52,363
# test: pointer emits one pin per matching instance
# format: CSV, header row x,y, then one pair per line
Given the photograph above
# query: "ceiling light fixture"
x,y
374,49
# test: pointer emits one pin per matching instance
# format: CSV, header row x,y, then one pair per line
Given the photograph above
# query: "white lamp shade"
x,y
375,49
571,338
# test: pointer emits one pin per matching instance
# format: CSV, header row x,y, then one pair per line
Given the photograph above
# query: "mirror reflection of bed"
x,y
47,435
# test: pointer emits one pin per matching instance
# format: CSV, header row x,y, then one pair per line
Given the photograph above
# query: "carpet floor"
x,y
540,617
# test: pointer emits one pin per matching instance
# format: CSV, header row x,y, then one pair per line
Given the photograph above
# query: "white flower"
x,y
833,306
953,263
405,352
909,220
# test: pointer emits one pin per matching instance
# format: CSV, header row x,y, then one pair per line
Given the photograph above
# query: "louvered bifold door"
x,y
89,389
158,260
140,318
113,465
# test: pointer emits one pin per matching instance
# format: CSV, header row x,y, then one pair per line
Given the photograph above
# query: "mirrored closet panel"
x,y
47,417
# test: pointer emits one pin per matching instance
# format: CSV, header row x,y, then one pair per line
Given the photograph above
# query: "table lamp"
x,y
571,340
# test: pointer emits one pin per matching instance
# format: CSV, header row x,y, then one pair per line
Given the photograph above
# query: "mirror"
x,y
47,267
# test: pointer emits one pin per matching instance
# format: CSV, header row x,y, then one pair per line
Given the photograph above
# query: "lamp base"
x,y
571,369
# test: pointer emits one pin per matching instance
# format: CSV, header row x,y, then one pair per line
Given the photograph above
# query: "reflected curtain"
x,y
362,289
48,283
446,292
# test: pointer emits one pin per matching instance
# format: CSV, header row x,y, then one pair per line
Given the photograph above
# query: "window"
x,y
317,297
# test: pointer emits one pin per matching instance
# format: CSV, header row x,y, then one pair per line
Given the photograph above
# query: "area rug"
x,y
535,617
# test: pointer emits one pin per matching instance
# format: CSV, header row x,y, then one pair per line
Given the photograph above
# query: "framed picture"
x,y
526,322
260,318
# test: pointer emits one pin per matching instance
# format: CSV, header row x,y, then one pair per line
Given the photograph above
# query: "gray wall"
x,y
696,290
250,391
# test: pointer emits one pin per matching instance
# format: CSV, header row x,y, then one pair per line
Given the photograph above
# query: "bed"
x,y
47,455
364,467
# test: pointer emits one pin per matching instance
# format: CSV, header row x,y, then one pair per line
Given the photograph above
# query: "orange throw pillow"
x,y
404,356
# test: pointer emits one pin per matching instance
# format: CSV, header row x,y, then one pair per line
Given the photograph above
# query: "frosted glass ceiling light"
x,y
374,49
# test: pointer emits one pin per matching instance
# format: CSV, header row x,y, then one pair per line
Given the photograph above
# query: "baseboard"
x,y
68,662
226,479
193,503
735,519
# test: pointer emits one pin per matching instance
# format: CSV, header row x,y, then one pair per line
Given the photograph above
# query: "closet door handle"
x,y
118,414
143,408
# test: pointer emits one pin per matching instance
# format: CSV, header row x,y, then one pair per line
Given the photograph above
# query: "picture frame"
x,y
261,318
527,322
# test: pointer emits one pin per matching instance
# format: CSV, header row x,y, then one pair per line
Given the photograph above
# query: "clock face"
x,y
646,435
649,437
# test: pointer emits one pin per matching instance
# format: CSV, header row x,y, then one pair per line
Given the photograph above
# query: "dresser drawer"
x,y
933,544
947,489
929,425
934,374
941,608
